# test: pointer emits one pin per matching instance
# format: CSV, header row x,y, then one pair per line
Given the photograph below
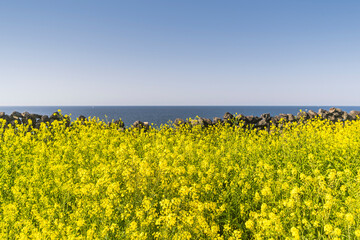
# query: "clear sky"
x,y
253,52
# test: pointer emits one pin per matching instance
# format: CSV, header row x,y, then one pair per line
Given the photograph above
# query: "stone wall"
x,y
265,120
260,122
35,119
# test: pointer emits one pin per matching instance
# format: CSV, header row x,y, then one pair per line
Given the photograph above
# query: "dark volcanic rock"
x,y
13,122
45,118
283,116
262,123
25,114
194,122
312,114
82,118
138,124
240,118
217,120
37,125
15,115
333,110
207,122
28,118
34,115
179,122
303,115
228,116
252,119
203,122
323,113
291,117
332,118
347,117
338,113
274,120
266,116
354,113
7,118
55,116
119,123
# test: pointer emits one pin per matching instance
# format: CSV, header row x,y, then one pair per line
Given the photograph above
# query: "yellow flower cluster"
x,y
94,181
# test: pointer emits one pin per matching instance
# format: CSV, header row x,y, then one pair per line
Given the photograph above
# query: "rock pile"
x,y
265,120
262,122
35,119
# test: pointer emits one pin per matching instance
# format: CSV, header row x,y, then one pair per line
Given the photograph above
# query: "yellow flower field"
x,y
91,181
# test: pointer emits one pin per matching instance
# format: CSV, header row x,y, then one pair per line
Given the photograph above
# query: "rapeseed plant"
x,y
94,181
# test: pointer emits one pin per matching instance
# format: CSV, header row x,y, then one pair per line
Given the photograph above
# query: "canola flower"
x,y
92,181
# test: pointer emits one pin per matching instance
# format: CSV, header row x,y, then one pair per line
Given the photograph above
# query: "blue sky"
x,y
180,52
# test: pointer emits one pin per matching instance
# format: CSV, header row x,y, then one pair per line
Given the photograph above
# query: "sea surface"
x,y
163,114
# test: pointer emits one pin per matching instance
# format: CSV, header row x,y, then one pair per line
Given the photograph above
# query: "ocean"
x,y
163,114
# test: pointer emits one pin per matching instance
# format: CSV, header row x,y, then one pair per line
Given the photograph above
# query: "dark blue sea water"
x,y
162,114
